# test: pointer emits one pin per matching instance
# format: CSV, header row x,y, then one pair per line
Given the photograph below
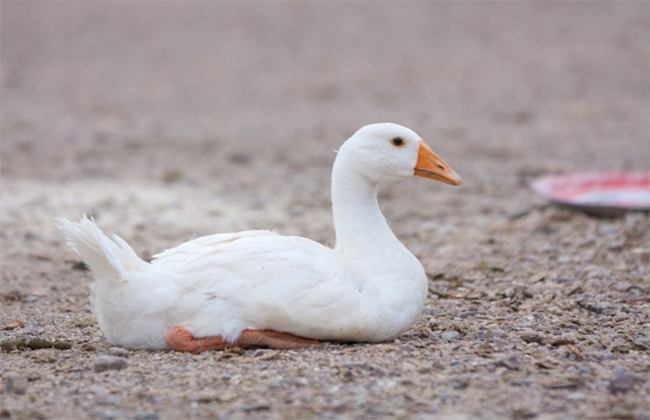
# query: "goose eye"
x,y
398,142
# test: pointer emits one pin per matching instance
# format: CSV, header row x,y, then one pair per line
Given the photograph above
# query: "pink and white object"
x,y
596,192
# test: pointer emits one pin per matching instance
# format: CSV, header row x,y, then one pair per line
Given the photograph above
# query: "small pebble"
x,y
510,363
480,335
643,254
103,363
146,415
523,414
98,390
564,385
532,338
575,396
450,335
375,411
518,213
521,382
16,383
622,381
617,244
118,352
563,259
462,381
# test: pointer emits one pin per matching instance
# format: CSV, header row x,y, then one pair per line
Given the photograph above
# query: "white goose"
x,y
258,288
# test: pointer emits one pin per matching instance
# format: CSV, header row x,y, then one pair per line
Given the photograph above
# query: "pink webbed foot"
x,y
178,338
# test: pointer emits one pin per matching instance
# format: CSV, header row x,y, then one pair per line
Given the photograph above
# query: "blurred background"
x,y
131,89
242,104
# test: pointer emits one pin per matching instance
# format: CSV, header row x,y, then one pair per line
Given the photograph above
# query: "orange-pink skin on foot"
x,y
178,338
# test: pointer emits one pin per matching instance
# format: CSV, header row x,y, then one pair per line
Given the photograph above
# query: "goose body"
x,y
261,288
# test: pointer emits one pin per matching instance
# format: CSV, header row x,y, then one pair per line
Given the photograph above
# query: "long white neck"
x,y
361,229
385,269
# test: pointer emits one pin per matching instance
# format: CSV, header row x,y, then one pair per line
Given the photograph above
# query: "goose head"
x,y
387,152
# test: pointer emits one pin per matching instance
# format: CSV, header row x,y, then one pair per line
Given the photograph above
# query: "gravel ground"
x,y
177,119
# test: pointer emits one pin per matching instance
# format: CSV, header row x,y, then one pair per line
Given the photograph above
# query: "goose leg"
x,y
178,338
273,339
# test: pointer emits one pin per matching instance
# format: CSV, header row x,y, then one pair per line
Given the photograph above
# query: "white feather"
x,y
368,288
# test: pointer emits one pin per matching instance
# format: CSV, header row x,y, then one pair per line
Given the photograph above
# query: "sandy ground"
x,y
175,119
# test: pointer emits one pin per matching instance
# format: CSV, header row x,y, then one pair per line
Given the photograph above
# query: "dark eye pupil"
x,y
398,142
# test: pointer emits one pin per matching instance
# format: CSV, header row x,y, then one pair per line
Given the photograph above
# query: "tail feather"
x,y
109,259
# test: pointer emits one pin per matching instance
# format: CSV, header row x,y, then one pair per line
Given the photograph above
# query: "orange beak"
x,y
431,166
